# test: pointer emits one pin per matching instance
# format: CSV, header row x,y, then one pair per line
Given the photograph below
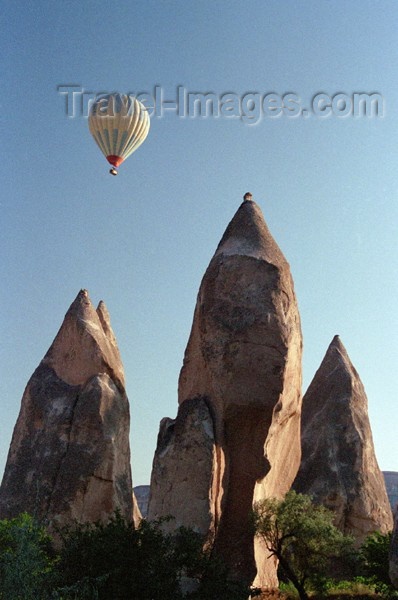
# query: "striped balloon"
x,y
119,124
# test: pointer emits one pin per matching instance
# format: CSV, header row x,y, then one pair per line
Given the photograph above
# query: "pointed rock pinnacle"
x,y
104,317
239,393
85,344
69,458
248,235
339,466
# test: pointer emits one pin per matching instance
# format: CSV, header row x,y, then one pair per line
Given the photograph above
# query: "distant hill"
x,y
391,479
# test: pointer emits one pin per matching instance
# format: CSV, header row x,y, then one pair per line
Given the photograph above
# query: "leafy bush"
x,y
359,586
99,562
288,589
26,560
215,582
117,561
374,556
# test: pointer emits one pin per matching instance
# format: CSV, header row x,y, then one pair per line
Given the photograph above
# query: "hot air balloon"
x,y
119,124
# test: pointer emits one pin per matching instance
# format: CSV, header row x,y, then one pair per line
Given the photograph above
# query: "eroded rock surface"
x,y
70,457
141,493
394,554
243,363
339,466
391,481
189,439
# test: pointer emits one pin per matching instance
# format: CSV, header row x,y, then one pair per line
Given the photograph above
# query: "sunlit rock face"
x,y
339,466
69,458
236,437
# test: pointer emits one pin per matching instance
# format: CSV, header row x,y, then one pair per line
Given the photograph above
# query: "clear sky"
x,y
142,241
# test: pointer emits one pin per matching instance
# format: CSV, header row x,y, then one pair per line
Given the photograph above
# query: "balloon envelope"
x,y
119,124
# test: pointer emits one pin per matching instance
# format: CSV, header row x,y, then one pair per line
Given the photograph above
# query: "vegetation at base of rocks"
x,y
334,589
370,579
374,562
113,560
302,536
360,588
27,561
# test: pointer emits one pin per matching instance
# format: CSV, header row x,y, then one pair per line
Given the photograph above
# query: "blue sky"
x,y
142,241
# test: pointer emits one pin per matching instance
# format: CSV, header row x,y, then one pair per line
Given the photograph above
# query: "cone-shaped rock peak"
x,y
337,356
339,467
248,235
240,394
85,344
105,319
69,458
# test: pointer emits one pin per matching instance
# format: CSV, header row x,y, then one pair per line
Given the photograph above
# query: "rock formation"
x,y
391,481
141,492
69,457
183,468
394,554
339,467
236,435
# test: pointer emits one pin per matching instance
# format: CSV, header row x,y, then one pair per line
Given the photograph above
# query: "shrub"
x,y
374,557
117,561
109,561
99,562
26,560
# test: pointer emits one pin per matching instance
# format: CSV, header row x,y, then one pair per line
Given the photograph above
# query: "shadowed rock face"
x,y
339,466
69,457
243,361
391,481
394,554
187,441
141,492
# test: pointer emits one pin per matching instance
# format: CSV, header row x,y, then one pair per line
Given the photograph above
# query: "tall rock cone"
x,y
236,437
69,458
339,467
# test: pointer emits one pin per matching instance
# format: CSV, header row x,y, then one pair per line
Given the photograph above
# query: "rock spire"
x,y
339,466
69,458
236,436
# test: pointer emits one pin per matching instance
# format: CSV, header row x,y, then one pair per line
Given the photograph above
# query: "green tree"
x,y
99,562
116,561
113,560
374,557
302,536
215,581
26,560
